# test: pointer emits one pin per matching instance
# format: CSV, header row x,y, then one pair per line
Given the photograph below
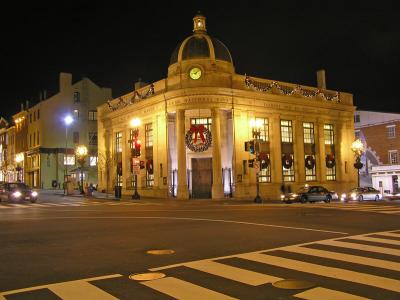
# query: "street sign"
x,y
135,166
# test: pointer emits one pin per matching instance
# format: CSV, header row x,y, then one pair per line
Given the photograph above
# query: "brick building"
x,y
379,133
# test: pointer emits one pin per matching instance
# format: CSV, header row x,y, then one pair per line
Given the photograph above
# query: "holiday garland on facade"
x,y
121,103
200,132
289,91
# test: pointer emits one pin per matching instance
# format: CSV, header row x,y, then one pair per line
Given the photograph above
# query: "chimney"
x,y
321,81
65,81
139,84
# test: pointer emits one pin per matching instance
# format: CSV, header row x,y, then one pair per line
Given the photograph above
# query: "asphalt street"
x,y
78,248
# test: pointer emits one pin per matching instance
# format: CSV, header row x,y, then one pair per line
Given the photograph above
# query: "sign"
x,y
135,166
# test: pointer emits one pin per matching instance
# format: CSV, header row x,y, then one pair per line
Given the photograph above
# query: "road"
x,y
76,248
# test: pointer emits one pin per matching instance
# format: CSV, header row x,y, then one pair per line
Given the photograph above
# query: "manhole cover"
x,y
293,284
146,276
161,252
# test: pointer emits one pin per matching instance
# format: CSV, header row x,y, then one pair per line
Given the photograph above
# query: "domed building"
x,y
207,132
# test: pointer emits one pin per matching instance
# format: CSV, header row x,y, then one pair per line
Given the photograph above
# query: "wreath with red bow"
x,y
149,166
309,162
198,138
263,157
330,161
287,161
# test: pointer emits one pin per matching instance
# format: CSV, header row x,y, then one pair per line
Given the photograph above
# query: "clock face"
x,y
195,73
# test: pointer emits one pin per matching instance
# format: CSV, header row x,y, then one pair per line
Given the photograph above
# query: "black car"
x,y
17,191
308,194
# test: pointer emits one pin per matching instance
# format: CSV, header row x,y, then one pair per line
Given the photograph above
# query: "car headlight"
x,y
343,196
294,195
282,196
34,194
353,195
17,194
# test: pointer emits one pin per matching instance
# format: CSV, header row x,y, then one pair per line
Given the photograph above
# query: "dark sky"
x,y
357,44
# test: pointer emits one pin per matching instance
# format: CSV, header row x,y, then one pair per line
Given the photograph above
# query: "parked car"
x,y
17,191
308,194
361,194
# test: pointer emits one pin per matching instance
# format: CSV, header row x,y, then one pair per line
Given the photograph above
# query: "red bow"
x,y
198,129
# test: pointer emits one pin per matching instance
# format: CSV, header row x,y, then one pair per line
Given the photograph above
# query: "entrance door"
x,y
201,177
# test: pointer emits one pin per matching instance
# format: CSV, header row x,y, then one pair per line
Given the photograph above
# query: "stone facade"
x,y
298,122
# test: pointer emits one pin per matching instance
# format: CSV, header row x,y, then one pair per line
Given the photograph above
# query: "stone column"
x,y
275,149
217,188
321,166
126,155
299,151
183,191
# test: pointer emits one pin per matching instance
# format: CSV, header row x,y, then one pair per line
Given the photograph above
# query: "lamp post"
x,y
358,149
67,121
256,125
135,153
18,159
81,154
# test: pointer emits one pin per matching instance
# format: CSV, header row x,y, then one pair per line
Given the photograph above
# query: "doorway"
x,y
201,178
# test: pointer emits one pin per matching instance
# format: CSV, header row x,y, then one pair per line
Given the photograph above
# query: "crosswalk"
x,y
355,267
373,208
27,205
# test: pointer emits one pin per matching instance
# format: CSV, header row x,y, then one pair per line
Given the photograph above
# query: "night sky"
x,y
357,44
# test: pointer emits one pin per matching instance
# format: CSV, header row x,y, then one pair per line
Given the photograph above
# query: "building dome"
x,y
200,45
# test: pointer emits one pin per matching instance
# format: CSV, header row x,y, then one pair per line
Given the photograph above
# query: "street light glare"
x,y
81,151
135,122
68,120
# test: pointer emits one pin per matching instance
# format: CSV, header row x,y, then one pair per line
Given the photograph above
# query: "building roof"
x,y
200,45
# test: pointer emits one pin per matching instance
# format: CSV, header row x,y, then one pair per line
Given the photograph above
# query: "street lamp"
x,y
358,149
67,121
81,154
19,158
256,125
135,153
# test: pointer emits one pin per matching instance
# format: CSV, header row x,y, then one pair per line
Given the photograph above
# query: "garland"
x,y
330,161
198,131
287,161
263,157
289,91
309,162
121,103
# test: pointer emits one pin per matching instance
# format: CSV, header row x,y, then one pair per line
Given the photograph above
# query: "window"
x,y
38,114
391,131
76,137
286,131
149,179
37,143
92,115
118,142
265,174
77,97
357,119
69,160
148,135
92,138
393,158
308,130
93,161
205,121
264,129
76,114
331,173
310,173
328,134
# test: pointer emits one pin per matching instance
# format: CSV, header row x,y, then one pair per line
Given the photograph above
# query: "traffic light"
x,y
251,163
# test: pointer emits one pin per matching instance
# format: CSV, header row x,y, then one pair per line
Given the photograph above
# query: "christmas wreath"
x,y
287,161
198,138
309,162
330,161
149,166
263,157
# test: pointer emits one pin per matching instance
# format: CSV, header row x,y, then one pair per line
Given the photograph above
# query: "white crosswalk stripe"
x,y
25,205
170,285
